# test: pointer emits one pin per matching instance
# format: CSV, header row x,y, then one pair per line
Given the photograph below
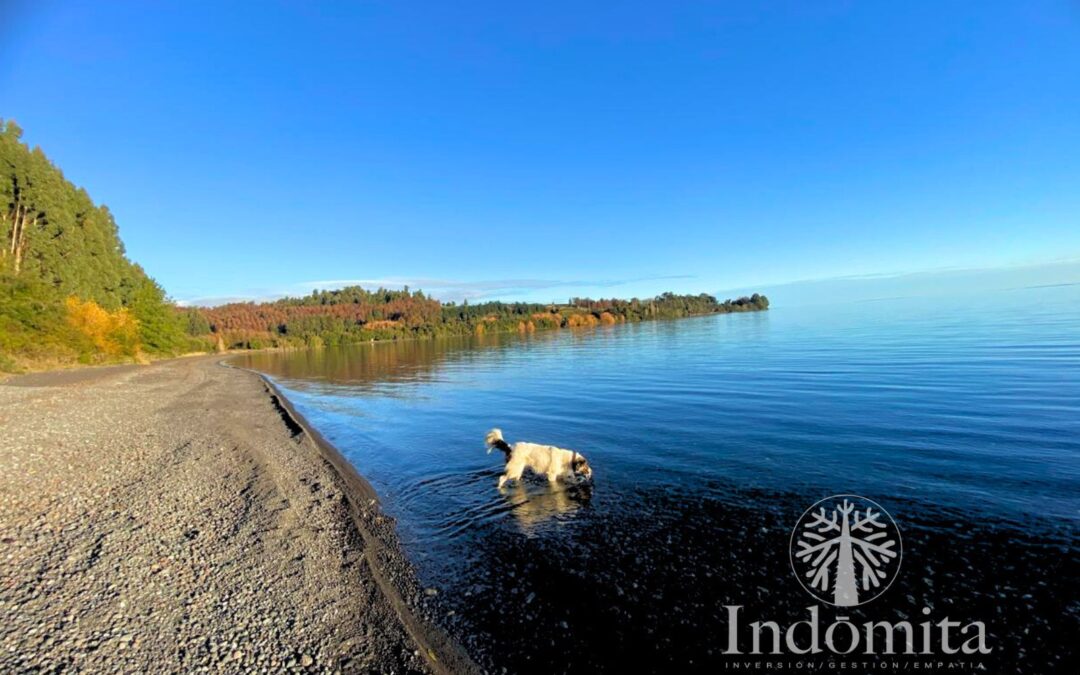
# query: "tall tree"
x,y
55,242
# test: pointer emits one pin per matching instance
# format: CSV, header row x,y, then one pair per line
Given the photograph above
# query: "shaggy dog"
x,y
557,464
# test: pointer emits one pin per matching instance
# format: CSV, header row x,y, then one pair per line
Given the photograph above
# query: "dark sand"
x,y
180,517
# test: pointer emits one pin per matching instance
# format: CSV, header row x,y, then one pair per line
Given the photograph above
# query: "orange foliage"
x,y
608,319
112,333
545,320
269,317
576,320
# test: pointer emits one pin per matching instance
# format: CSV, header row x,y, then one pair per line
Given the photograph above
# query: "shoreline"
x,y
379,532
8,376
183,515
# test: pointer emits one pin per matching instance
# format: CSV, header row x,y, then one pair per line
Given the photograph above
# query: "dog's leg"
x,y
513,472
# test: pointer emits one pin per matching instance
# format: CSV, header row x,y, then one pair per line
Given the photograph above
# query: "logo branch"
x,y
845,549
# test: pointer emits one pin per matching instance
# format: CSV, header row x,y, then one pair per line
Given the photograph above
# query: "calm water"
x,y
708,437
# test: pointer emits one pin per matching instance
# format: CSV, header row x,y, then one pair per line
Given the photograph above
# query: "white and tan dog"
x,y
557,464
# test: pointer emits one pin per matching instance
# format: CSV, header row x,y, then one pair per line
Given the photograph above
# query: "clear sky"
x,y
539,150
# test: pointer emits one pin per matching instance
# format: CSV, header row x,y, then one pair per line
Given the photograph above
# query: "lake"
x,y
709,437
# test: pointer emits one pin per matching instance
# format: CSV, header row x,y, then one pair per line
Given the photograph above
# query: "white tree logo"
x,y
845,550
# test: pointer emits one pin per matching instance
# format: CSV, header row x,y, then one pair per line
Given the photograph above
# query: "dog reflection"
x,y
537,504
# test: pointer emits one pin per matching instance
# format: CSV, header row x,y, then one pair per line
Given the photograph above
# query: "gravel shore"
x,y
180,517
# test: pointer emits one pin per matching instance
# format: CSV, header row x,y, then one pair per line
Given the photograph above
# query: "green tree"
x,y
160,328
195,323
56,243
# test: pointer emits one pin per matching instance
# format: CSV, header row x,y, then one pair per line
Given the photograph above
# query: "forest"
x,y
353,314
69,294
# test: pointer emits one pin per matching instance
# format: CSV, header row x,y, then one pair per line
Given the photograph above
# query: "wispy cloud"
x,y
215,300
1066,262
922,283
443,289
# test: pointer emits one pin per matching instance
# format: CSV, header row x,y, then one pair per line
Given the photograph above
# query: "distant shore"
x,y
182,515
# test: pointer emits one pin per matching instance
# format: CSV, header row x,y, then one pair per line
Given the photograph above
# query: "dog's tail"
x,y
494,439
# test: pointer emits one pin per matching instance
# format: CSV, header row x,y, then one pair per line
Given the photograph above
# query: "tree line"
x,y
354,314
68,292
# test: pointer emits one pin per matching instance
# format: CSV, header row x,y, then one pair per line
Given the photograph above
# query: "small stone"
x,y
306,660
431,592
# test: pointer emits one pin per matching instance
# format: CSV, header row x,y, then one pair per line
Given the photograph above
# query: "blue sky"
x,y
542,150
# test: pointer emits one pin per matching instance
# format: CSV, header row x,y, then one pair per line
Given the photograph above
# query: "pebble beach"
x,y
180,517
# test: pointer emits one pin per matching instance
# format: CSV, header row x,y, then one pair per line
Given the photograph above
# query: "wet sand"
x,y
180,517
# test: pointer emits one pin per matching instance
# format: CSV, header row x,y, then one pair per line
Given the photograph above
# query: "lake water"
x,y
708,438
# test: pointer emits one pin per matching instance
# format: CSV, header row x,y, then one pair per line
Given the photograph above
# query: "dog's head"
x,y
582,470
